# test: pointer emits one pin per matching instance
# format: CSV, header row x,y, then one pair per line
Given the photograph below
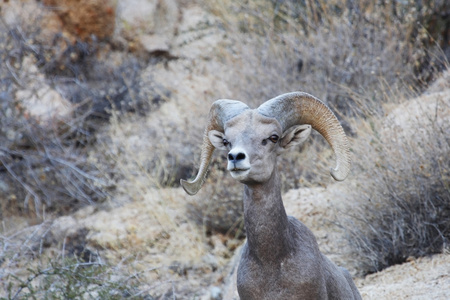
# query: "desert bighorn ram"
x,y
281,259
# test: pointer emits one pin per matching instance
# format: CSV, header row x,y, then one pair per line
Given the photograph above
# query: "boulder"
x,y
38,99
147,25
86,18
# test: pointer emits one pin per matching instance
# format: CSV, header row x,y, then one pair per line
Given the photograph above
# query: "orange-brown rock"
x,y
86,18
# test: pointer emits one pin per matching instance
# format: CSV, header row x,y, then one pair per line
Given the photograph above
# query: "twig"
x,y
37,200
76,169
14,75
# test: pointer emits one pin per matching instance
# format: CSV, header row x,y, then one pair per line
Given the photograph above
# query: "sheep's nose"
x,y
235,157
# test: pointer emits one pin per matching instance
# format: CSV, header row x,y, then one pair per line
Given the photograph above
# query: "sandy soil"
x,y
423,278
152,226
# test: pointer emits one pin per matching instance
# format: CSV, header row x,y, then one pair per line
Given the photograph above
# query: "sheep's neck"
x,y
266,222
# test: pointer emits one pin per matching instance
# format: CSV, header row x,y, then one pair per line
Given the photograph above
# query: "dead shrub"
x,y
404,211
44,165
218,207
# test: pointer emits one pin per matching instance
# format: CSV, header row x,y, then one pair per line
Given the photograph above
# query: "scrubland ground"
x,y
103,105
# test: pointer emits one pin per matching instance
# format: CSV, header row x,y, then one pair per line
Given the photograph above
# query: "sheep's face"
x,y
253,142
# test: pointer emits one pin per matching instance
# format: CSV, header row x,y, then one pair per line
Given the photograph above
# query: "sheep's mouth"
x,y
239,174
239,170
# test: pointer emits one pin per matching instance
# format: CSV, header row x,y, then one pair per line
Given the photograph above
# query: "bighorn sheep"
x,y
281,259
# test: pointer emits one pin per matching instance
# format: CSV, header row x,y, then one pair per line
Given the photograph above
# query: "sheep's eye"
x,y
274,138
225,142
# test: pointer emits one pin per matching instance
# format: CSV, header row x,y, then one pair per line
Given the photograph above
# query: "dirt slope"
x,y
423,278
146,228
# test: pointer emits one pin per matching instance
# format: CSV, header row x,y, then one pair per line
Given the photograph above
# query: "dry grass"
x,y
359,59
403,209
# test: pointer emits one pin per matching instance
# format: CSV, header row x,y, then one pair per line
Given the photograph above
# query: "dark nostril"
x,y
240,156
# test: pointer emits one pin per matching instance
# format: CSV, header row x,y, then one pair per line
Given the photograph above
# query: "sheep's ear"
x,y
295,135
216,138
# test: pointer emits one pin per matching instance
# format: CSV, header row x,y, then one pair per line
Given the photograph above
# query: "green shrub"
x,y
71,279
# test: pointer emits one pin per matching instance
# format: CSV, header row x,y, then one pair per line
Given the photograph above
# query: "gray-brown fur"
x,y
281,259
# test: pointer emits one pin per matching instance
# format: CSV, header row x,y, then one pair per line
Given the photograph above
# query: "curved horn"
x,y
221,111
302,108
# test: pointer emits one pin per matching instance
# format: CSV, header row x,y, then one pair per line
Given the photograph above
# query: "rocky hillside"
x,y
103,105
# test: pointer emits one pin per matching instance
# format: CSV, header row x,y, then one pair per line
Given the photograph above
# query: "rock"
x,y
429,276
64,226
38,99
41,23
137,18
16,12
155,43
441,84
199,34
46,105
216,293
86,18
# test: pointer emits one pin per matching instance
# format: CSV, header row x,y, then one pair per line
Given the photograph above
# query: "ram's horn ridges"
x,y
221,111
301,108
